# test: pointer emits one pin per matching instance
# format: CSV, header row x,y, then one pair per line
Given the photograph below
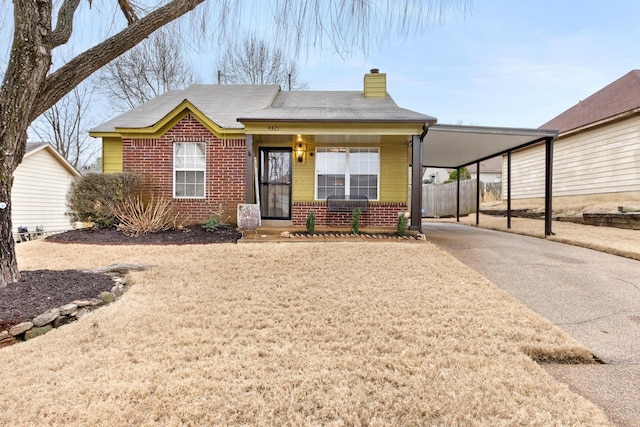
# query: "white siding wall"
x,y
602,160
39,193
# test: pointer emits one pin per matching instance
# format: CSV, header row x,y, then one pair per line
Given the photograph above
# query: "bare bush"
x,y
138,216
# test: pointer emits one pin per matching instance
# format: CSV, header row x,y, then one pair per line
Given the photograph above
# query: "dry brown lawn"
x,y
344,333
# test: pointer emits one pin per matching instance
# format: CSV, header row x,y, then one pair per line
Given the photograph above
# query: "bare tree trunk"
x,y
27,91
8,263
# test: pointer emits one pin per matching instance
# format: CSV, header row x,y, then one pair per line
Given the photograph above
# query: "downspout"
x,y
416,179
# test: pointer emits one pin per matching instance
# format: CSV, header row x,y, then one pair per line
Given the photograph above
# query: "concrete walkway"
x,y
593,296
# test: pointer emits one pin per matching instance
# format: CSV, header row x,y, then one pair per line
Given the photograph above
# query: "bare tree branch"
x,y
88,62
254,61
151,68
65,126
64,26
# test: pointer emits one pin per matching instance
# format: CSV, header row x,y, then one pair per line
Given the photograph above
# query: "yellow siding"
x,y
111,155
375,85
394,173
394,165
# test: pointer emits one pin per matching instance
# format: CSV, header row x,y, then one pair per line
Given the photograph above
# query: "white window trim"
x,y
347,178
174,170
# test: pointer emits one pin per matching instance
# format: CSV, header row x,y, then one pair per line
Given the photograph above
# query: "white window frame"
x,y
347,172
188,169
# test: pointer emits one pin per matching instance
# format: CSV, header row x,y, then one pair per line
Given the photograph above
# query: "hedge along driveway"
x,y
385,333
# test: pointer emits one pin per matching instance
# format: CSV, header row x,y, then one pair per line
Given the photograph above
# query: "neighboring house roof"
x,y
226,104
493,164
34,147
334,106
621,96
220,103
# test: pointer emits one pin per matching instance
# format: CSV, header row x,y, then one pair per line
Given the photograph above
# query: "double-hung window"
x,y
189,164
347,172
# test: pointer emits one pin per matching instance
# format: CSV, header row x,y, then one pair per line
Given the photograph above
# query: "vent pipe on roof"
x,y
375,84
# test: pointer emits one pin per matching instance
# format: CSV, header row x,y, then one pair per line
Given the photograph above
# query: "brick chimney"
x,y
375,84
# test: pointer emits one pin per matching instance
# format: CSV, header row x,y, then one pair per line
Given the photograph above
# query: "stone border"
x,y
73,311
362,236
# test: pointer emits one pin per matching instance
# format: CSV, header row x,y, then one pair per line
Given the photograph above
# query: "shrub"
x,y
355,222
214,222
91,196
311,222
139,217
401,226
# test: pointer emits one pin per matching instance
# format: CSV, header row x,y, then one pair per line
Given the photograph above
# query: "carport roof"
x,y
453,146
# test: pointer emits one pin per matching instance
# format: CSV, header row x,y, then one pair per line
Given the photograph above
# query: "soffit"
x,y
452,146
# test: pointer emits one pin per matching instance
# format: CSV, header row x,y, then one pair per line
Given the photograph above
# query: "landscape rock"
x,y
285,234
122,268
421,236
81,313
117,291
107,297
36,332
7,342
20,328
61,320
68,309
46,317
4,335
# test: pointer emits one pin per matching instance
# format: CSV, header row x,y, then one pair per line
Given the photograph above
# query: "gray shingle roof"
x,y
221,103
618,97
225,104
342,106
32,146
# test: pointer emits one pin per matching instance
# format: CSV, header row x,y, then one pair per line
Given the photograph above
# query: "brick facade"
x,y
378,214
225,176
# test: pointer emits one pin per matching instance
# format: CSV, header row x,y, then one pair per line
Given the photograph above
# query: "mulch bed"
x,y
187,236
41,290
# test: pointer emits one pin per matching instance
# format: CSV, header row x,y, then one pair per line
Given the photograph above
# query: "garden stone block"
x,y
7,342
36,332
20,328
107,297
46,317
68,309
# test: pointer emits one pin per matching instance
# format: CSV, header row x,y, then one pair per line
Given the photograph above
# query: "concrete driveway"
x,y
593,296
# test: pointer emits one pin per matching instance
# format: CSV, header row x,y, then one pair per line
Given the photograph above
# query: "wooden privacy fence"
x,y
439,200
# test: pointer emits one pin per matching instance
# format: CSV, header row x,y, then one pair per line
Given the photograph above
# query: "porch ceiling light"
x,y
300,150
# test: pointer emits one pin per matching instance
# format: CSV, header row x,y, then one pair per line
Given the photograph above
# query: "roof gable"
x,y
619,97
219,103
35,147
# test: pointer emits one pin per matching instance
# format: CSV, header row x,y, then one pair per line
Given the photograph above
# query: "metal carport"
x,y
456,146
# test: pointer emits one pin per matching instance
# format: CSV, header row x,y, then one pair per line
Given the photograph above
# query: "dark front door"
x,y
275,183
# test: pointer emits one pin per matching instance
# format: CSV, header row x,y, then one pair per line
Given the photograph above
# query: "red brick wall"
x,y
378,214
225,180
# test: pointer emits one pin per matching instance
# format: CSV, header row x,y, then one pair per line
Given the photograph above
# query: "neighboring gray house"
x,y
40,187
596,160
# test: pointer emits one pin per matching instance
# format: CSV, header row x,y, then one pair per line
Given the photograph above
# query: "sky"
x,y
508,63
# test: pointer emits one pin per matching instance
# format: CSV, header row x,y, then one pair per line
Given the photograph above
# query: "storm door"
x,y
275,183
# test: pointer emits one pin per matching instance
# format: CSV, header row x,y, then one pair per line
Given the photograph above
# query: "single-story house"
x,y
211,148
39,192
596,158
